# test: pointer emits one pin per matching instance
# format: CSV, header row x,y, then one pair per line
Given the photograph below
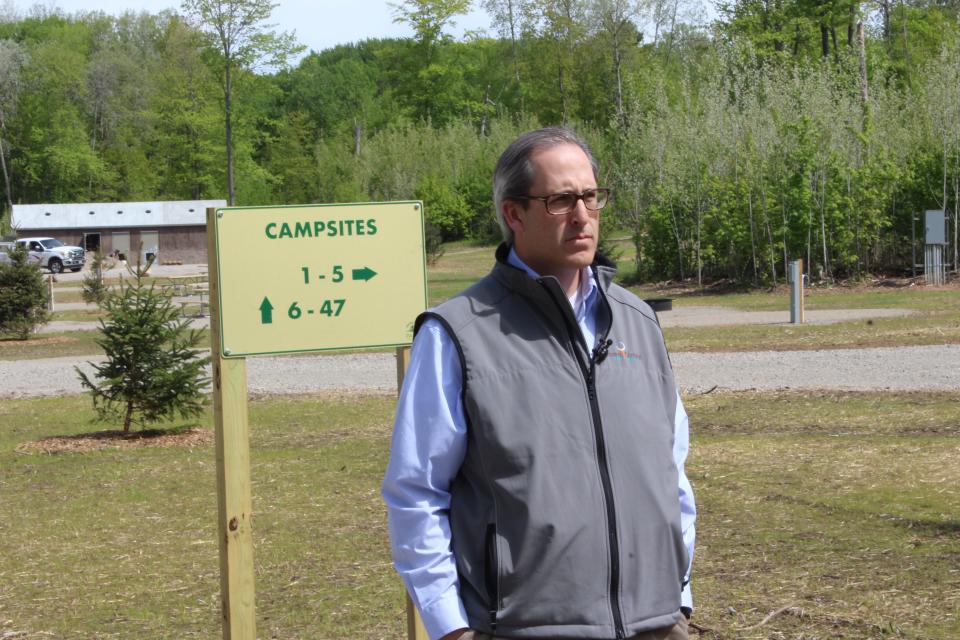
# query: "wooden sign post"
x,y
234,505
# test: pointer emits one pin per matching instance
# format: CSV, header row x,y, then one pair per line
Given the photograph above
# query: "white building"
x,y
177,230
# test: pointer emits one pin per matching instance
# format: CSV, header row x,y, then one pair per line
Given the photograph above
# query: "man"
x,y
536,485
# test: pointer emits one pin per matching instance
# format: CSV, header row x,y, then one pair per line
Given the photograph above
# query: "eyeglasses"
x,y
560,204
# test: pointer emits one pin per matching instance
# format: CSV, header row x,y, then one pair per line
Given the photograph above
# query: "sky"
x,y
318,24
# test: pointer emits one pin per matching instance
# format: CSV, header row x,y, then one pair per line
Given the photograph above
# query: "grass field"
x,y
839,511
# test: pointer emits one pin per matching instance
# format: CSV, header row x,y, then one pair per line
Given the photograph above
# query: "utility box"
x,y
936,227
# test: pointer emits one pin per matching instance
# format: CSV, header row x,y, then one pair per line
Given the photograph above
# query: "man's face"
x,y
557,245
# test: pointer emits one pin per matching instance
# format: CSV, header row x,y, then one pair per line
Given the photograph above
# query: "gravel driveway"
x,y
900,368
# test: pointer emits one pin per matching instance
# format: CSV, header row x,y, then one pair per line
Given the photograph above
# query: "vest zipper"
x,y
492,575
608,500
588,374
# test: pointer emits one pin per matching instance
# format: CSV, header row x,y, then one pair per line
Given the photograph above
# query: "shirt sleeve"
x,y
429,444
688,510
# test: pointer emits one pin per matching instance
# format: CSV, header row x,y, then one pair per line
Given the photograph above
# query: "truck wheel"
x,y
55,265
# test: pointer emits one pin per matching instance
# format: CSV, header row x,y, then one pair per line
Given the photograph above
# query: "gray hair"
x,y
514,174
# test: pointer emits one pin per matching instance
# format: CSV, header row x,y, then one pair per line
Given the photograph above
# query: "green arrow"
x,y
363,274
266,311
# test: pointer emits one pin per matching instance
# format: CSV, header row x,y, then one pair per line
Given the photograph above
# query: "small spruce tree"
x,y
154,370
23,295
94,290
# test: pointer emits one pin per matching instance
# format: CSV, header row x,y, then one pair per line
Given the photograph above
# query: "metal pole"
x,y
913,244
795,274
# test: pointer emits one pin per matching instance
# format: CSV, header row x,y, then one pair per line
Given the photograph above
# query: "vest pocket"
x,y
492,574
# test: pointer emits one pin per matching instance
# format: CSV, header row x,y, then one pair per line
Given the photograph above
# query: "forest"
x,y
736,136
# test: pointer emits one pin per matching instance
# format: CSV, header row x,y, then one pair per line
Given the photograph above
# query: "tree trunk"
x,y
956,210
563,94
753,240
673,27
862,55
6,173
824,41
617,69
851,25
906,45
786,256
766,222
823,223
228,111
357,135
885,9
513,51
483,117
676,234
128,417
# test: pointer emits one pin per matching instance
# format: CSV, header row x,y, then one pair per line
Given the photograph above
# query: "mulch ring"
x,y
115,439
35,342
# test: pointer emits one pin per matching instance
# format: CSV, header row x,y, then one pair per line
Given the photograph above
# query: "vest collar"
x,y
603,271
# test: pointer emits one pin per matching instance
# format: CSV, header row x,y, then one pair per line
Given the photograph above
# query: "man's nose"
x,y
579,215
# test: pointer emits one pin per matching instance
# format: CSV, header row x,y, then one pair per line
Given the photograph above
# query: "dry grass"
x,y
839,511
925,328
835,511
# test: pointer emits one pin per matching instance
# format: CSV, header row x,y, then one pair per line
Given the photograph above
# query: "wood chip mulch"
x,y
34,342
115,439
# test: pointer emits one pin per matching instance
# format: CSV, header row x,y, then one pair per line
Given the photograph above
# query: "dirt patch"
x,y
114,439
32,342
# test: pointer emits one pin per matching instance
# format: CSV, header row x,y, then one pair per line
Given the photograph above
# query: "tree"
x,y
153,369
94,290
12,58
428,18
188,146
564,27
616,20
512,18
429,87
243,40
23,295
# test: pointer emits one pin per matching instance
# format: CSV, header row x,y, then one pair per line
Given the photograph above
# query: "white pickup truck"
x,y
53,254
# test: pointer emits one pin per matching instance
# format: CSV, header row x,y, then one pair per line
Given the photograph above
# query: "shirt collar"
x,y
586,291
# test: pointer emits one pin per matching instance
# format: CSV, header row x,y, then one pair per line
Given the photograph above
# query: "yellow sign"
x,y
317,277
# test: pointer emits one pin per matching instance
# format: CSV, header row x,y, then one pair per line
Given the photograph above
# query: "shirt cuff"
x,y
444,615
686,597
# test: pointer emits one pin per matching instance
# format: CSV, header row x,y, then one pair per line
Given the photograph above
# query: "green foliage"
x,y
446,210
23,295
732,150
154,370
433,242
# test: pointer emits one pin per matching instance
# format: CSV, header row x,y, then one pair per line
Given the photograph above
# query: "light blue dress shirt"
x,y
429,444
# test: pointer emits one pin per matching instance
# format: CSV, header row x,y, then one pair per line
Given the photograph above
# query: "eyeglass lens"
x,y
593,199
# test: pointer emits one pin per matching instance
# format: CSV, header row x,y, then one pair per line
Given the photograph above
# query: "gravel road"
x,y
901,368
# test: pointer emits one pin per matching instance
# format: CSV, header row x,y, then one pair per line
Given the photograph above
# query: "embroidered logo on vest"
x,y
620,353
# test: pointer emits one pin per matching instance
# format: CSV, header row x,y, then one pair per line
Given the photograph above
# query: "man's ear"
x,y
511,213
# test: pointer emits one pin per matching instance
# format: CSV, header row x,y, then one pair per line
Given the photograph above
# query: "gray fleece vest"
x,y
565,515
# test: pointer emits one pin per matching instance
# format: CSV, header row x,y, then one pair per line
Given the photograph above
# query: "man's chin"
x,y
582,258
